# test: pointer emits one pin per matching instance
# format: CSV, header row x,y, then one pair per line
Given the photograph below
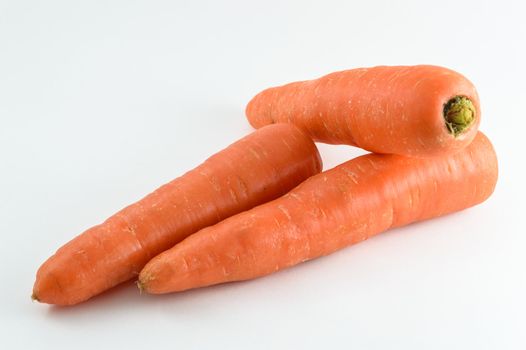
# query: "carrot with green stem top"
x,y
409,110
329,211
258,168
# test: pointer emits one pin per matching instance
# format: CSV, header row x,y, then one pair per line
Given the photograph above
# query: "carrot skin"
x,y
327,212
384,109
258,168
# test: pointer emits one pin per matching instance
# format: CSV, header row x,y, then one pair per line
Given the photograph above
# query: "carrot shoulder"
x,y
410,110
329,211
254,170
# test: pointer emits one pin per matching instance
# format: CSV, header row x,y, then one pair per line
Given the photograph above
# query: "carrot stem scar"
x,y
459,115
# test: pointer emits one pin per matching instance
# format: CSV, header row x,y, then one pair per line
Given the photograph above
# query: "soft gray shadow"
x,y
127,292
126,298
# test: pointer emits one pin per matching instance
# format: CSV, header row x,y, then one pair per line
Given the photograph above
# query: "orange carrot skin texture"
x,y
329,211
258,168
385,109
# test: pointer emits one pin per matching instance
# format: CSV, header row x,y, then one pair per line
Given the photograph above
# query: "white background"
x,y
103,101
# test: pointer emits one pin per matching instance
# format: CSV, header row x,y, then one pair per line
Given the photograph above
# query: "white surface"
x,y
102,101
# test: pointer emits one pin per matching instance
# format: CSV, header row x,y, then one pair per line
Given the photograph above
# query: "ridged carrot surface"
x,y
329,211
410,110
254,170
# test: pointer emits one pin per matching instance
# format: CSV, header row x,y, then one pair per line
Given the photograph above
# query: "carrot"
x,y
258,168
409,110
329,211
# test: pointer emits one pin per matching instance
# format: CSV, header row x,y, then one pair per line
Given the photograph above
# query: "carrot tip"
x,y
34,297
141,286
459,114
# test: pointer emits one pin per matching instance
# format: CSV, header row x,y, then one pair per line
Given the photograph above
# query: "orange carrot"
x,y
254,170
329,211
408,110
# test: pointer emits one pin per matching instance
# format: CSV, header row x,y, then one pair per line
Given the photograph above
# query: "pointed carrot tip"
x,y
141,286
34,297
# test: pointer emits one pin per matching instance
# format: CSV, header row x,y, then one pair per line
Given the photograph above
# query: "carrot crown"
x,y
459,114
